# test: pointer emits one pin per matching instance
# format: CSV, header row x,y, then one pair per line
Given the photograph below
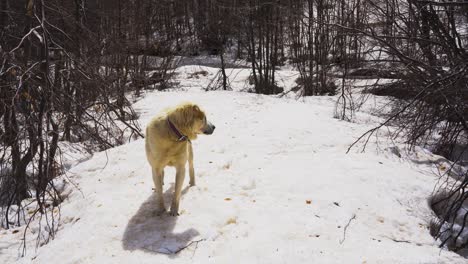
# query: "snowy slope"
x,y
274,185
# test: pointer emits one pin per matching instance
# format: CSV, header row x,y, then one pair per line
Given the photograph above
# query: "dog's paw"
x,y
192,183
160,211
174,213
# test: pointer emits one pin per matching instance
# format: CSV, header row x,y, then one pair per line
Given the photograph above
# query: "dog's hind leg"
x,y
157,179
190,162
180,175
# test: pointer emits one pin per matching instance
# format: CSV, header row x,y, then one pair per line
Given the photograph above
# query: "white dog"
x,y
168,143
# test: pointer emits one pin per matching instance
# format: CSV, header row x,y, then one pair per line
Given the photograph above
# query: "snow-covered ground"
x,y
274,185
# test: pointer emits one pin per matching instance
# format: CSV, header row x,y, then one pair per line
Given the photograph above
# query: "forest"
x,y
70,68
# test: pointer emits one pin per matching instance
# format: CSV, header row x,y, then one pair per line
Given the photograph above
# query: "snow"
x,y
274,185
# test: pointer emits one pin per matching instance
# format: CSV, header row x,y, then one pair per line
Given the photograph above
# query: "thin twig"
x,y
188,245
398,240
170,252
346,228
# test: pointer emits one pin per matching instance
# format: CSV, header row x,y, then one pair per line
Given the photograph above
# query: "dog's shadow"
x,y
154,233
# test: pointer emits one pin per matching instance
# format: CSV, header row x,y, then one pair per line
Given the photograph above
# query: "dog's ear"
x,y
197,112
187,114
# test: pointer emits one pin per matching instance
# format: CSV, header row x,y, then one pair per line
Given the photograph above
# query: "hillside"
x,y
274,185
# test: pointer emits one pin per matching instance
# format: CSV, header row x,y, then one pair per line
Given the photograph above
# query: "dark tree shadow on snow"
x,y
155,234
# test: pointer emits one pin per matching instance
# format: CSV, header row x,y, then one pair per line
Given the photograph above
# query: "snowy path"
x,y
274,185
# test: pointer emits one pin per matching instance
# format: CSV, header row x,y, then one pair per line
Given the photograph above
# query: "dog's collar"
x,y
180,136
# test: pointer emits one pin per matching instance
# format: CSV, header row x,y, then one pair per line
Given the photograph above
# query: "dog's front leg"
x,y
162,177
180,175
158,175
190,162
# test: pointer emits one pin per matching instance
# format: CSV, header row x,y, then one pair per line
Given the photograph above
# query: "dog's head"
x,y
196,119
201,124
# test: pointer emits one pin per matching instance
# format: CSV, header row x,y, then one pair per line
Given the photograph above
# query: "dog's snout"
x,y
209,128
